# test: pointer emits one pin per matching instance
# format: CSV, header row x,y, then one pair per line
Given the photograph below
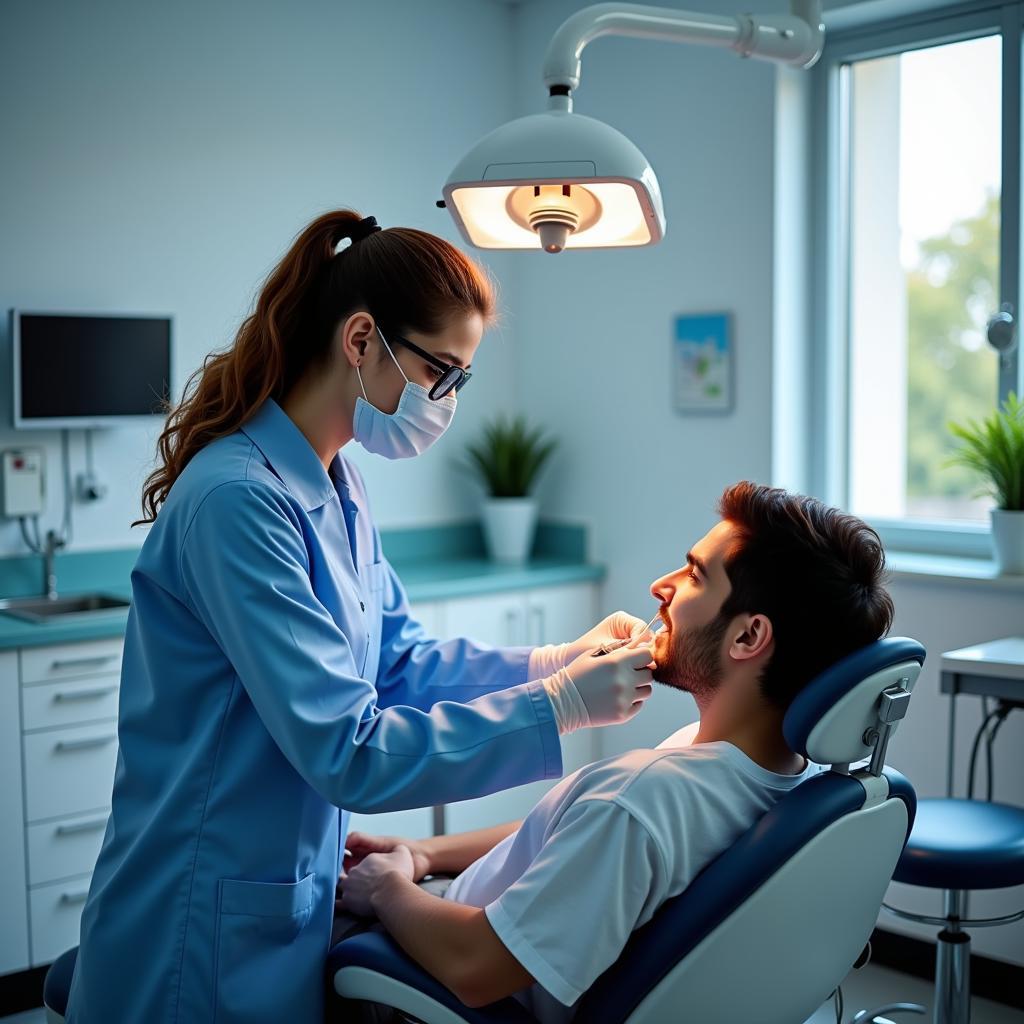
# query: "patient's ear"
x,y
754,638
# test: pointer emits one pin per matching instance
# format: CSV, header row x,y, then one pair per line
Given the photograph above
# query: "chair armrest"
x,y
371,966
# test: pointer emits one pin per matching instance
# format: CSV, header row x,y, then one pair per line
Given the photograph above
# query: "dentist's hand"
x,y
601,691
616,626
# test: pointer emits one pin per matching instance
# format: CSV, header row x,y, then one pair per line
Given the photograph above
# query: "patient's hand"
x,y
359,845
358,885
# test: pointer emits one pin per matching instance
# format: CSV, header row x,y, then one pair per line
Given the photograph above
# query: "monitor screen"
x,y
75,370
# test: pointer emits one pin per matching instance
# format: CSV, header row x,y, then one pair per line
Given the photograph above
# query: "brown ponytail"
x,y
407,279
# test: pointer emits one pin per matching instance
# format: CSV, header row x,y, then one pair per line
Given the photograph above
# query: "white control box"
x,y
21,482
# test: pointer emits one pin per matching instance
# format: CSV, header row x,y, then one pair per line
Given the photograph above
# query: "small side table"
x,y
993,669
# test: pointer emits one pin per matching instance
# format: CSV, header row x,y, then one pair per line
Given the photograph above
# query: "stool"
x,y
958,845
57,986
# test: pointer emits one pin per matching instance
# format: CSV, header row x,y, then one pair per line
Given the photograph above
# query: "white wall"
x,y
600,323
162,157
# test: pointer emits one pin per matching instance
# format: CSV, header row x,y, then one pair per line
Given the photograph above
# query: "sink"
x,y
43,609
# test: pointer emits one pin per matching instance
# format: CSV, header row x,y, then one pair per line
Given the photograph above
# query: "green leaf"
x,y
508,456
994,449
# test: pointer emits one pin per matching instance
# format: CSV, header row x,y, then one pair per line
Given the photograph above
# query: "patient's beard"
x,y
693,660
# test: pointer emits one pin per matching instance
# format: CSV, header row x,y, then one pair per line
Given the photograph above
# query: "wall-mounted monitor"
x,y
89,370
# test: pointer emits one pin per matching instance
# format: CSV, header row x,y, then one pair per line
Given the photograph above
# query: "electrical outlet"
x,y
21,481
89,488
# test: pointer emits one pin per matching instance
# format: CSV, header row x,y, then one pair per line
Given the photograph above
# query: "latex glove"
x,y
616,626
359,845
546,660
356,888
600,691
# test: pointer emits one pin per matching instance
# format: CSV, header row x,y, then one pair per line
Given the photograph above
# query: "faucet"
x,y
53,544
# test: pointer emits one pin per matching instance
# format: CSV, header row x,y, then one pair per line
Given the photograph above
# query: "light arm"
x,y
795,38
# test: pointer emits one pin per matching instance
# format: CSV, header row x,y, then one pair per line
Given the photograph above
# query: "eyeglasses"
x,y
452,378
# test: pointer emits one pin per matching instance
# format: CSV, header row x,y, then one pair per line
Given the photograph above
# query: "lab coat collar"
x,y
290,455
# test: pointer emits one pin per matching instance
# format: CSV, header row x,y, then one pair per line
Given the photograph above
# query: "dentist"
x,y
271,672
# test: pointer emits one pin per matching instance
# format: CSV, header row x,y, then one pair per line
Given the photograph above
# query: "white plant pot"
x,y
509,525
1008,539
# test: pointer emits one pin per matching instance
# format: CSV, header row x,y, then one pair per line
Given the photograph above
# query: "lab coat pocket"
x,y
262,966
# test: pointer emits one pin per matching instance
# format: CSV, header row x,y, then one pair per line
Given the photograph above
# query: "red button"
x,y
18,463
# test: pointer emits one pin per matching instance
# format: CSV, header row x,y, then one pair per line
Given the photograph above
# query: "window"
x,y
920,218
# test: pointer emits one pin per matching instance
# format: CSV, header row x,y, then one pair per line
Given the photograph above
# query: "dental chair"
x,y
769,929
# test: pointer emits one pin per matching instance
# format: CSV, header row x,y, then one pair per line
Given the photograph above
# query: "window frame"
x,y
828,472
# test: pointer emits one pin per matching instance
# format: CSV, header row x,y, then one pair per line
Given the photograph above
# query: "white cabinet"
x,y
58,747
13,905
68,746
541,615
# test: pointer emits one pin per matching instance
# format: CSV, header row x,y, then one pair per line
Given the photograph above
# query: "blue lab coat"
x,y
271,676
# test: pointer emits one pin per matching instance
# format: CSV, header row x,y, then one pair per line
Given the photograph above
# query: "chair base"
x,y
953,978
952,1001
875,1016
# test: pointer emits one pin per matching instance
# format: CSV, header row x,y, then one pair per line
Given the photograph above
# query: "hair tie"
x,y
365,227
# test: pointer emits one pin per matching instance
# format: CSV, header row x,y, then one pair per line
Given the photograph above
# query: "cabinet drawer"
x,y
62,849
54,915
55,704
68,771
67,661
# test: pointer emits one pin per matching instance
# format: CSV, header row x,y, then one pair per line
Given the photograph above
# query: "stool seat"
x,y
964,844
57,986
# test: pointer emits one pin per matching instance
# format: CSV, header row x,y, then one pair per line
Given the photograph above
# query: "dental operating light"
x,y
559,180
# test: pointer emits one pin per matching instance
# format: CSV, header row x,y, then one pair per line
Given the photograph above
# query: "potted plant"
x,y
507,459
994,448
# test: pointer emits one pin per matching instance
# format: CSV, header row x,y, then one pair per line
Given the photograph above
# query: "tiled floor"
x,y
870,987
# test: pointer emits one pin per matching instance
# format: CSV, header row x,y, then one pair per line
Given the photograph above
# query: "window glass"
x,y
924,150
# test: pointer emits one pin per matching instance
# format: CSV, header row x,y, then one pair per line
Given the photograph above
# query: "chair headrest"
x,y
828,719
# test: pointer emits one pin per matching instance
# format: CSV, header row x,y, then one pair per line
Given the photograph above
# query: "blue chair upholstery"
x,y
723,886
833,808
377,953
958,845
964,844
57,984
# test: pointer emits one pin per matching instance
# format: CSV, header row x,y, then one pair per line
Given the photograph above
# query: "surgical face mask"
x,y
411,429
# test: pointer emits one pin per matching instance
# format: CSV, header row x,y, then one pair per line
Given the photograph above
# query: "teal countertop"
x,y
434,564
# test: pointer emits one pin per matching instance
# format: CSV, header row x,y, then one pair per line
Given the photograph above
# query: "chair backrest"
x,y
772,925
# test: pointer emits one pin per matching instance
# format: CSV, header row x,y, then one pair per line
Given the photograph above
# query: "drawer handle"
x,y
96,691
79,896
81,826
99,659
85,744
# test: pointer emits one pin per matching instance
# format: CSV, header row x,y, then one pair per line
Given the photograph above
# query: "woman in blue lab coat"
x,y
271,671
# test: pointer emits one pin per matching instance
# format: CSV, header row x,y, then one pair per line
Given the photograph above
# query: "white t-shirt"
x,y
604,848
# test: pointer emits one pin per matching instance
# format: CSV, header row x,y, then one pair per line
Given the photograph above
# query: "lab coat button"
x,y
362,607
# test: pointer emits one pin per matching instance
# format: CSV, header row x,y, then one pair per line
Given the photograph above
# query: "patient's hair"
x,y
816,572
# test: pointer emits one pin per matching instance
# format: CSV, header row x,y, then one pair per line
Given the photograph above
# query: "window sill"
x,y
913,565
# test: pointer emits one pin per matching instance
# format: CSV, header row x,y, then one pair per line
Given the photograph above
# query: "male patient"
x,y
779,589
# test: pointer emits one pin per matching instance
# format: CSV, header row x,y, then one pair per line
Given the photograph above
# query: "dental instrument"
x,y
614,645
